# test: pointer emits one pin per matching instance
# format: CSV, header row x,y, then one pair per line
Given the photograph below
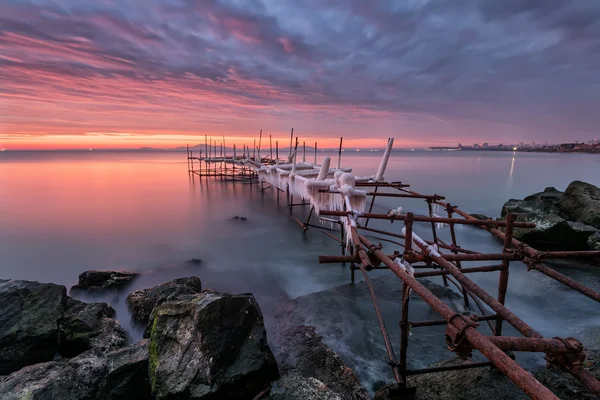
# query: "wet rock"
x,y
86,326
296,387
142,302
552,231
98,281
594,241
212,347
29,314
80,378
127,373
581,203
302,351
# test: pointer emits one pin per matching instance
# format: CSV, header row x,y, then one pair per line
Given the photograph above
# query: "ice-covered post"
x,y
384,160
324,169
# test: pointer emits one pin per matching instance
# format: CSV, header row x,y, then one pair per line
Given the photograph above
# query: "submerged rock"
x,y
296,387
86,326
212,347
142,302
302,351
98,281
581,203
29,314
127,373
80,378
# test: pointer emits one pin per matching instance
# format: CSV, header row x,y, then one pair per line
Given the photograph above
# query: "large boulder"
x,y
302,351
581,203
80,378
594,241
99,281
213,347
29,314
127,373
85,326
142,302
553,230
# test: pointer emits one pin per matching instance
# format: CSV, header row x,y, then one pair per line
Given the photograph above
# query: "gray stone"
x,y
29,314
213,347
99,281
93,375
80,378
127,373
581,202
302,351
142,302
86,326
594,241
296,387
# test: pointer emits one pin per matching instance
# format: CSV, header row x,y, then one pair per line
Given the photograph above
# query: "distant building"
x,y
485,145
476,146
500,146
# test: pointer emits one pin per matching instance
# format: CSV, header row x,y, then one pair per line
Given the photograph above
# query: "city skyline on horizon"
x,y
163,73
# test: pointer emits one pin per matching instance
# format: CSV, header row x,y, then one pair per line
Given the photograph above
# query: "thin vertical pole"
x,y
503,280
291,138
188,156
404,328
253,149
434,234
206,155
259,143
371,206
340,154
303,152
458,264
315,153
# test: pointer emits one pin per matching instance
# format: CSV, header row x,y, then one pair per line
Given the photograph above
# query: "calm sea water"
x,y
64,213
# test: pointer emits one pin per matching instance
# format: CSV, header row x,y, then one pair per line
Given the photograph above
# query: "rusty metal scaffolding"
x,y
462,335
439,259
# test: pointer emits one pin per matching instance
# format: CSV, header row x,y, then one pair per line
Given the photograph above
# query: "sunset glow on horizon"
x,y
165,73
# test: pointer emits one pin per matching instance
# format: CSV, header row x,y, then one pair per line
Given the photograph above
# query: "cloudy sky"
x,y
133,73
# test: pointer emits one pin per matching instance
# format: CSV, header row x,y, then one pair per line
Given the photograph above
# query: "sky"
x,y
163,73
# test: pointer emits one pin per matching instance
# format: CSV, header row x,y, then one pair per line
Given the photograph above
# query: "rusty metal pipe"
x,y
504,312
532,259
504,363
400,236
434,322
420,218
503,280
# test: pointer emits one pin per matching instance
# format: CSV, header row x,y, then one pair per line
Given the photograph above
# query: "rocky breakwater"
x,y
202,345
568,220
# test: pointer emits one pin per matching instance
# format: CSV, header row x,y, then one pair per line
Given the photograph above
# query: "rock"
x,y
581,202
195,261
296,387
29,314
98,281
213,347
302,351
85,326
552,231
80,378
127,373
142,302
594,241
